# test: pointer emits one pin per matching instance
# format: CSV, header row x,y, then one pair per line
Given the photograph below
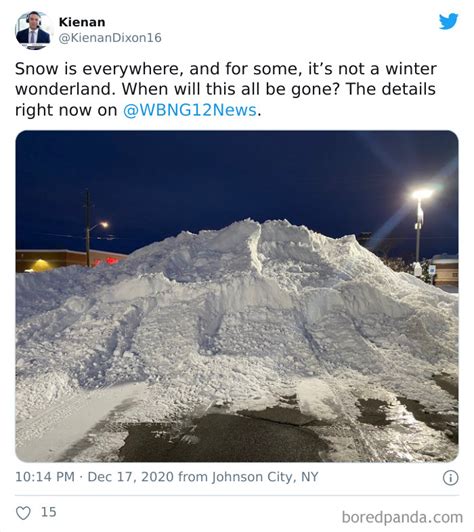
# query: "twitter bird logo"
x,y
448,22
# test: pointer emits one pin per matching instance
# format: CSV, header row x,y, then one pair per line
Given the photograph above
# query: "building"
x,y
447,270
39,260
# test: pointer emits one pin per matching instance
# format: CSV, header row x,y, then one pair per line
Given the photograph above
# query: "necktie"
x,y
32,37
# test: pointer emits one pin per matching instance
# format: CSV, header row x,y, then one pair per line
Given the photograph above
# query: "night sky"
x,y
151,185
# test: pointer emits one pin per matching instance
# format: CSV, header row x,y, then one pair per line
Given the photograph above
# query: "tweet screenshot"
x,y
235,302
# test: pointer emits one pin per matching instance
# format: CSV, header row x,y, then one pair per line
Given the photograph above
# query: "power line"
x,y
81,237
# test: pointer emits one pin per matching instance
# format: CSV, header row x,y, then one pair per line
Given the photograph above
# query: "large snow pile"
x,y
239,316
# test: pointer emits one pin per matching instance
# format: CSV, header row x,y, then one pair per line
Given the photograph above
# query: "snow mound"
x,y
241,315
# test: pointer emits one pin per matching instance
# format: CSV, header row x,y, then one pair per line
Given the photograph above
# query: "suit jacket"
x,y
43,36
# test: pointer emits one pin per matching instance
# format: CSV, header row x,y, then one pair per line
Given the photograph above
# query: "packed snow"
x,y
237,317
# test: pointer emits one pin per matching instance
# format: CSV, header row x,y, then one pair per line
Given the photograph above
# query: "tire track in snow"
x,y
349,428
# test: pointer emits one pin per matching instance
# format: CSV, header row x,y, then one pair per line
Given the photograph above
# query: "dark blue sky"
x,y
151,185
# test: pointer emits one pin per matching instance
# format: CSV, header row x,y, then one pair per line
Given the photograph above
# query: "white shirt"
x,y
33,36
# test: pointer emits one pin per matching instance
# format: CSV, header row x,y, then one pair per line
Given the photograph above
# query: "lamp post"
x,y
419,195
89,229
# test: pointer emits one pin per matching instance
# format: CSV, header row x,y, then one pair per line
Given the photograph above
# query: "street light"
x,y
419,195
87,207
88,240
103,224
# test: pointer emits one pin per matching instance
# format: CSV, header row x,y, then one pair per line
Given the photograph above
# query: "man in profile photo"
x,y
33,35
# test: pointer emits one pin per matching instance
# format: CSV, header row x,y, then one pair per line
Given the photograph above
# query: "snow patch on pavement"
x,y
317,399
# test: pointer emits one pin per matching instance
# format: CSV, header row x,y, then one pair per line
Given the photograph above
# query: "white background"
x,y
371,32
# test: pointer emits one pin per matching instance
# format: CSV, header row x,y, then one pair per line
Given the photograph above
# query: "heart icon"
x,y
23,512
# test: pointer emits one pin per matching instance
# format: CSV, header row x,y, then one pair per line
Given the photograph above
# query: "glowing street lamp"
x,y
103,224
423,193
87,207
419,195
88,240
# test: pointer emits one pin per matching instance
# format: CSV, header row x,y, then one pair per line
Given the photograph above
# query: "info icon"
x,y
450,478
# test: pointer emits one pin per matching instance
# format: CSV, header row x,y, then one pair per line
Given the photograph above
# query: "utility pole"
x,y
87,207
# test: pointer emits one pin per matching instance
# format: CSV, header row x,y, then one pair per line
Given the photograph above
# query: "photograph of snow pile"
x,y
251,341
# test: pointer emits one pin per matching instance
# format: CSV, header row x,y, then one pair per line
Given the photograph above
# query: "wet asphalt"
x,y
277,434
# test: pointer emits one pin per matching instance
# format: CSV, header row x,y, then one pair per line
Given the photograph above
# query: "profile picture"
x,y
33,30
